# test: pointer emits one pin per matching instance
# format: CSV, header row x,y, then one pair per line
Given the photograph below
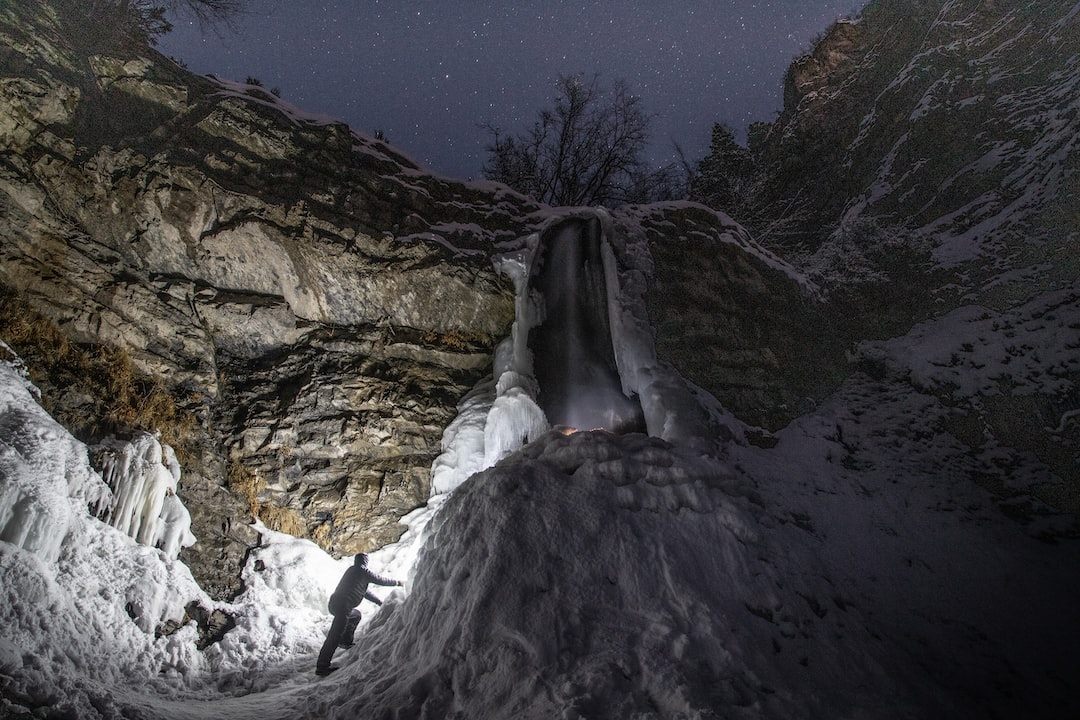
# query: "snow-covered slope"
x,y
853,570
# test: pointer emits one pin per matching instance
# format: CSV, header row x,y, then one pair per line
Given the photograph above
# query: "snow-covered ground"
x,y
853,570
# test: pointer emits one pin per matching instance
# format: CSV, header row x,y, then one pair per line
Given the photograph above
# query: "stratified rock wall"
x,y
314,300
957,119
732,317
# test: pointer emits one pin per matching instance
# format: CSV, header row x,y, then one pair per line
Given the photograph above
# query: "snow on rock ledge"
x,y
35,453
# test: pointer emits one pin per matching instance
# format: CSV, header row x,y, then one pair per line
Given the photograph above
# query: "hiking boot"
x,y
326,670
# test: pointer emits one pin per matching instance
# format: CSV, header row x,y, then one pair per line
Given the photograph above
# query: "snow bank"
x,y
852,571
46,481
571,576
594,575
79,602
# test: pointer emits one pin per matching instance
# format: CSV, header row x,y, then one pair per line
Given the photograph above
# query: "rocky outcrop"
x,y
930,152
734,318
939,117
315,304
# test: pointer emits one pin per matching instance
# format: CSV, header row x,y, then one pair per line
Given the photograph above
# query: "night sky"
x,y
428,73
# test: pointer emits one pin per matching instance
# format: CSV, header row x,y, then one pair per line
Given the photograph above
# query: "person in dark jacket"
x,y
343,601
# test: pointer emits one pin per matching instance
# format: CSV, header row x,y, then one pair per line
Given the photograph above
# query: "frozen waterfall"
x,y
573,359
143,474
580,354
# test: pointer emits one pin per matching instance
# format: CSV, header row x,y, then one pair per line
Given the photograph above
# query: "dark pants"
x,y
350,628
341,629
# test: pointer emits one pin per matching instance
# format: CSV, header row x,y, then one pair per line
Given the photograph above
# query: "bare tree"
x,y
587,150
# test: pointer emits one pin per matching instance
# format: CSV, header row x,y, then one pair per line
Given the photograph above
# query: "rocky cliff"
x,y
929,153
297,308
956,123
311,302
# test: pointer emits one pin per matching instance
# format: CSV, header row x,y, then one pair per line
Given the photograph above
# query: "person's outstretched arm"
x,y
379,580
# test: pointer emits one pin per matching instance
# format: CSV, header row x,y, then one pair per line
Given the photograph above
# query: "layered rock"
x,y
733,317
315,301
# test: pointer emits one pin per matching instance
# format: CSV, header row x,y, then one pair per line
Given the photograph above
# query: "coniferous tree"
x,y
733,179
724,176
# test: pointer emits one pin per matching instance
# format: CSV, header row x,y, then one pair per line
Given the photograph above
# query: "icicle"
x,y
143,475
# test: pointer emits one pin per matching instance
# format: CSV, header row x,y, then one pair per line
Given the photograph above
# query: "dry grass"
x,y
284,520
321,535
247,485
115,395
455,340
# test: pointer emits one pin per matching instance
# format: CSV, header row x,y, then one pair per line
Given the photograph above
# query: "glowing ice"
x,y
143,474
574,362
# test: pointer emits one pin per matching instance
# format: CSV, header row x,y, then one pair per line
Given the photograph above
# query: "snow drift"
x,y
852,570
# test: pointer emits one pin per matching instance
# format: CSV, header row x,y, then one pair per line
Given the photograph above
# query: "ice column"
x,y
573,358
143,474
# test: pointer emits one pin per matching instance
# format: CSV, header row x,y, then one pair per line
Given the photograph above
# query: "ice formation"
x,y
573,359
580,353
35,453
137,494
142,474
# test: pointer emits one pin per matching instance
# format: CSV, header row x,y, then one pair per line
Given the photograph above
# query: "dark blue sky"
x,y
427,73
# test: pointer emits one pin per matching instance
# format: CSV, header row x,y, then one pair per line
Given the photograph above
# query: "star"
x,y
436,70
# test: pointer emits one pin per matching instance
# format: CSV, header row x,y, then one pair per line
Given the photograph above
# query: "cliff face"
x,y
955,120
930,153
297,308
314,304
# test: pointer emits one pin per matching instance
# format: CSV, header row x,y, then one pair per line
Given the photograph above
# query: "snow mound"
x,y
595,575
46,480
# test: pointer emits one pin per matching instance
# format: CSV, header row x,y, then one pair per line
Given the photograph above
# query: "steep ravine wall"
x,y
932,150
299,308
307,297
